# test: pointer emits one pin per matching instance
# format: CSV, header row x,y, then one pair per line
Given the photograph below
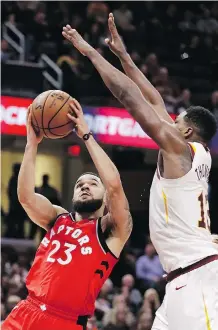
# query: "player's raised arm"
x,y
128,93
150,93
117,203
39,208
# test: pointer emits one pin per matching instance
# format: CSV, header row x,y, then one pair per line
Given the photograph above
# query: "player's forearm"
x,y
147,89
127,92
149,92
105,167
26,178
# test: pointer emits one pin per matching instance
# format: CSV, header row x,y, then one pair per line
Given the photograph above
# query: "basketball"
x,y
49,114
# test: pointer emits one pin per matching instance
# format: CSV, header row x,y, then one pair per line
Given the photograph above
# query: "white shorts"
x,y
191,301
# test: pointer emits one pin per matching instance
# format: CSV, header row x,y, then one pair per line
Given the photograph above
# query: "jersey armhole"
x,y
52,223
101,239
192,150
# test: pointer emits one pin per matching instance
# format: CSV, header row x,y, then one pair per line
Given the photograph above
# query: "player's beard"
x,y
89,206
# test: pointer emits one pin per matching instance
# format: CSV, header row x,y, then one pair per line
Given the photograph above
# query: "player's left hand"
x,y
81,127
116,44
76,39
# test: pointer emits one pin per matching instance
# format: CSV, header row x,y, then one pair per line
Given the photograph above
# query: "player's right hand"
x,y
33,138
116,44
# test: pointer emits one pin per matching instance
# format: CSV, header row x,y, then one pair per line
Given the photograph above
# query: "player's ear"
x,y
188,131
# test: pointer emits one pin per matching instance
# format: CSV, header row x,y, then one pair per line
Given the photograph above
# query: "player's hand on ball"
x,y
116,44
33,138
75,38
81,127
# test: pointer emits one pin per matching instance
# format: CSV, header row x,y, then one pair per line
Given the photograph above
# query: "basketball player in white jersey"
x,y
179,218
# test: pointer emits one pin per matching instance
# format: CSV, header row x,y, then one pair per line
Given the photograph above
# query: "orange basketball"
x,y
49,114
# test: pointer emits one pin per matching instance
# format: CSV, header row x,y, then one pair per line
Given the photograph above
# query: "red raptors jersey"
x,y
70,266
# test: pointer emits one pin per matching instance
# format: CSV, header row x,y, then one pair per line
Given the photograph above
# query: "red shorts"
x,y
29,315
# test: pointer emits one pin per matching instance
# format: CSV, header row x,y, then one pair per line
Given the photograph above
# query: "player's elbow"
x,y
114,185
23,197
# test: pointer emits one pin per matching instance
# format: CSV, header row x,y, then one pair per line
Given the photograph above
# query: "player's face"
x,y
88,194
182,125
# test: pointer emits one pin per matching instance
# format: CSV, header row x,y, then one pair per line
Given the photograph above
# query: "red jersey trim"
x,y
192,150
72,217
101,239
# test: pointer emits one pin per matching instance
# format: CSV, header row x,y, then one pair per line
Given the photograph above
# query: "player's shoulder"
x,y
59,210
197,146
201,157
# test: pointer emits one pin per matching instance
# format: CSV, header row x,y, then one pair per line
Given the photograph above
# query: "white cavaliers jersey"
x,y
179,214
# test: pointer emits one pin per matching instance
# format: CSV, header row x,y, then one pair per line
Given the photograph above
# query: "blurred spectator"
x,y
133,295
145,322
68,59
184,101
135,57
48,191
3,215
148,268
194,49
170,20
123,16
52,194
3,312
12,19
11,302
150,305
5,51
162,78
151,296
40,28
91,325
207,23
144,69
93,36
98,11
188,21
209,50
103,303
152,64
16,215
120,318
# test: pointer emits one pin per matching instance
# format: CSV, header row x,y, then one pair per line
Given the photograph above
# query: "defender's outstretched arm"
x,y
128,93
150,93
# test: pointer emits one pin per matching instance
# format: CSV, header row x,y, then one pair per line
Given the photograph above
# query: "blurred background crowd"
x,y
175,45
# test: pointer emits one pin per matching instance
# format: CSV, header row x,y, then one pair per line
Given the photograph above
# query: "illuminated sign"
x,y
109,125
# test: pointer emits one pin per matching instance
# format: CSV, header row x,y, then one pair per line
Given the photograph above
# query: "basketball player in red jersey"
x,y
79,251
179,220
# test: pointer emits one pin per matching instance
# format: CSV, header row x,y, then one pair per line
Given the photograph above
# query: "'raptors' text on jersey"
x,y
179,214
70,266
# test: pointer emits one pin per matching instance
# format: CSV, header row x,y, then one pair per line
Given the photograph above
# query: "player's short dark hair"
x,y
203,120
91,173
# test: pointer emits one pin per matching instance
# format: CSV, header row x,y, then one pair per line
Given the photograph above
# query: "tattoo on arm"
x,y
109,225
129,223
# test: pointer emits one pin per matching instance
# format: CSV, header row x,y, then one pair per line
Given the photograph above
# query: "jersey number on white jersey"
x,y
204,221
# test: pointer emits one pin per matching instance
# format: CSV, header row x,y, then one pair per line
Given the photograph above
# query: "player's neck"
x,y
89,216
195,138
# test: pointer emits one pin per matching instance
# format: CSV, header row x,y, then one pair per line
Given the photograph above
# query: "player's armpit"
x,y
41,211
